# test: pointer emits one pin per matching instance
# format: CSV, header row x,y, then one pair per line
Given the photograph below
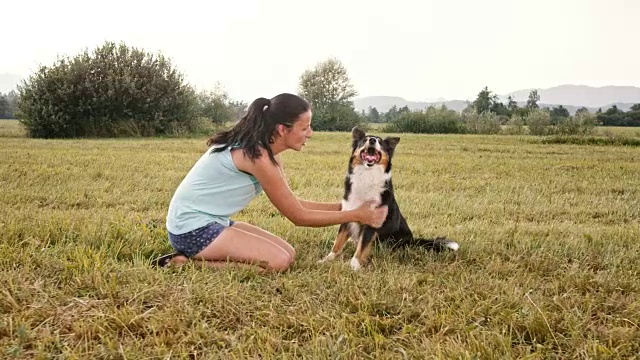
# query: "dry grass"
x,y
11,128
548,266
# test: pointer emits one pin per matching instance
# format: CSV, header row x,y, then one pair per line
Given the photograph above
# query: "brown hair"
x,y
257,127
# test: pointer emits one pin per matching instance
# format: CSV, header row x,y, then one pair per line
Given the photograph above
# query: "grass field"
x,y
548,265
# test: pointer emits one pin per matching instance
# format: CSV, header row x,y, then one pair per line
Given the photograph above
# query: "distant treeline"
x,y
117,90
8,104
486,102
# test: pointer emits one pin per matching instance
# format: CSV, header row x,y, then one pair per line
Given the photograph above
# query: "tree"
x,y
114,91
532,102
499,109
214,106
327,84
373,115
239,108
484,101
613,116
582,110
512,105
613,110
4,107
328,88
8,103
538,121
558,114
488,102
391,114
635,107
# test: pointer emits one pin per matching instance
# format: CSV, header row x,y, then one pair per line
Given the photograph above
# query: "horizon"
x,y
417,50
441,99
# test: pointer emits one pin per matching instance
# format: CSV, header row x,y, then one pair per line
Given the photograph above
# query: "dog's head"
x,y
371,150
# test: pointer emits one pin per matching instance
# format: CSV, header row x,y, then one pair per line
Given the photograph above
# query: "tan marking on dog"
x,y
355,159
384,159
361,256
338,245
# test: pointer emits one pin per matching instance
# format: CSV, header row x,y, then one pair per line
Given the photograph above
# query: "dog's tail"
x,y
438,244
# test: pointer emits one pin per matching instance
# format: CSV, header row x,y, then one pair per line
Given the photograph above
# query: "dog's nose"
x,y
372,141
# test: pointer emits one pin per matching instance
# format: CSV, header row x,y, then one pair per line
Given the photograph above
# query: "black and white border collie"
x,y
369,179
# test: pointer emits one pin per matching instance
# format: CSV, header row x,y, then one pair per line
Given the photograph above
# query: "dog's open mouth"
x,y
370,156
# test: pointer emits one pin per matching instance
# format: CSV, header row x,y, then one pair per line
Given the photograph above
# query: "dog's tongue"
x,y
370,158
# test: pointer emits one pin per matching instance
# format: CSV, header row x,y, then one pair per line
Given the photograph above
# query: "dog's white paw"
x,y
453,245
355,264
329,257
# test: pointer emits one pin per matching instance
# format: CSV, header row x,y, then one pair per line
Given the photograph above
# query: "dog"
x,y
368,178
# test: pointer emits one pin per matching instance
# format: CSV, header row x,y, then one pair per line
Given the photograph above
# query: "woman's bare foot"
x,y
172,259
177,261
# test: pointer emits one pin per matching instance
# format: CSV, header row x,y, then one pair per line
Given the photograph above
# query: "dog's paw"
x,y
355,264
442,243
327,258
452,245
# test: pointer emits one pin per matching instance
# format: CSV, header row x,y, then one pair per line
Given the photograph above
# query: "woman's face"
x,y
297,136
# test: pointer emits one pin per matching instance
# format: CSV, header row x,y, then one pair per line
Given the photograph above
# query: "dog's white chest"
x,y
366,184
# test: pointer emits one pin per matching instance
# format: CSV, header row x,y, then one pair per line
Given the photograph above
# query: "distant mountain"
x,y
9,82
572,108
571,97
384,103
582,95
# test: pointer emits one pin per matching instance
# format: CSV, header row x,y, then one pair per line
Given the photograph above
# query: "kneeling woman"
x,y
239,164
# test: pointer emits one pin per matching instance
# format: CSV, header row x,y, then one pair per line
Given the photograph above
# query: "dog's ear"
x,y
391,142
357,134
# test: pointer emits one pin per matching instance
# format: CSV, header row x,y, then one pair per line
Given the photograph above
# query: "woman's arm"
x,y
313,205
277,190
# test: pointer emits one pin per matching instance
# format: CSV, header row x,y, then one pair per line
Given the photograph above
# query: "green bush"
x,y
515,126
336,117
429,121
580,124
539,122
115,91
483,123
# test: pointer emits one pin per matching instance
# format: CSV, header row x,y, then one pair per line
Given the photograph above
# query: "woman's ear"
x,y
280,129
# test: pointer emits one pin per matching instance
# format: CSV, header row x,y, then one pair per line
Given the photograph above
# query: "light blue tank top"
x,y
213,190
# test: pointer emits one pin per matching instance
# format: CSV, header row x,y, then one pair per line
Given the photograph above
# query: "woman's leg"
x,y
265,234
237,245
255,247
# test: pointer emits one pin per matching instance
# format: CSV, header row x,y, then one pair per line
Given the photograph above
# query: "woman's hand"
x,y
372,215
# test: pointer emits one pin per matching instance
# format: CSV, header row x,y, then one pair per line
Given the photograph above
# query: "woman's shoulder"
x,y
260,163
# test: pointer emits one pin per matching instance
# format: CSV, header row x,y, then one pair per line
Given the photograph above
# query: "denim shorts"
x,y
194,241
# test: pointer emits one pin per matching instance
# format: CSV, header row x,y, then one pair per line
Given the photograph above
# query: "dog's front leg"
x,y
369,235
338,245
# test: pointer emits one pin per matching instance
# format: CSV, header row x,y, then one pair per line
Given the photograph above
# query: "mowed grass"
x,y
627,131
548,265
11,128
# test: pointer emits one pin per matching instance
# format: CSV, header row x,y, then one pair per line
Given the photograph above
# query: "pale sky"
x,y
419,50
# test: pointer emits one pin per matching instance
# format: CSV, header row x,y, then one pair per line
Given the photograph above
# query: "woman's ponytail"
x,y
256,128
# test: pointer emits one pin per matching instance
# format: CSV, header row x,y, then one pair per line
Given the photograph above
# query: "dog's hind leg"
x,y
400,238
361,256
338,245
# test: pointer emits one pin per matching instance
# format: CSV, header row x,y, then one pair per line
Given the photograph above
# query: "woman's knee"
x,y
281,262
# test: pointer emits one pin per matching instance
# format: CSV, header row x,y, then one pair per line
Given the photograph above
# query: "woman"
x,y
239,164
